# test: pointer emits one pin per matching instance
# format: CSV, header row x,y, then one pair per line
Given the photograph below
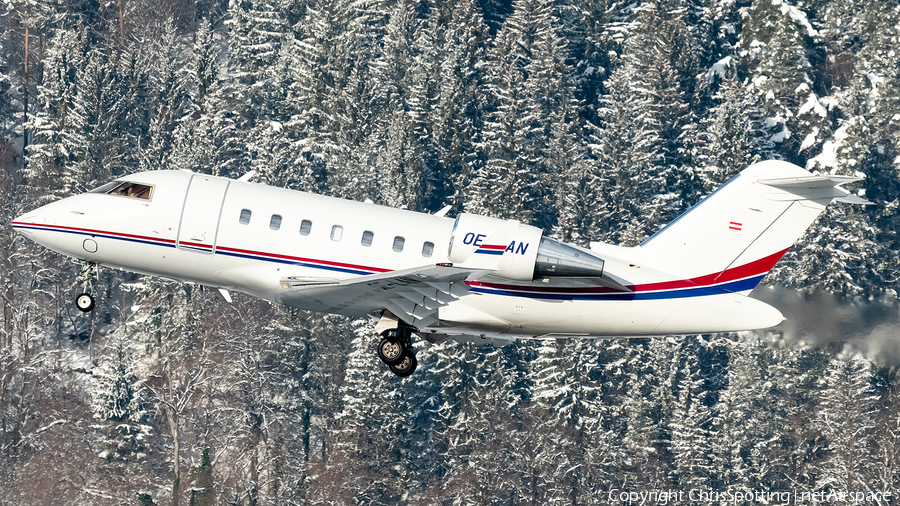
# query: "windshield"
x,y
105,188
126,189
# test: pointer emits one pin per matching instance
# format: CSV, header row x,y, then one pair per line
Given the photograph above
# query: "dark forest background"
x,y
594,119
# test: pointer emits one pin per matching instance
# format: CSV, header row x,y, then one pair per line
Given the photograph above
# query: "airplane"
x,y
472,279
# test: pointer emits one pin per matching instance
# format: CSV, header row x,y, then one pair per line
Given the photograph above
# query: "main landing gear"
x,y
395,350
84,301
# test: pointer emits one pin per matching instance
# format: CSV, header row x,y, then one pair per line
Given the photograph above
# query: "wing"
x,y
414,295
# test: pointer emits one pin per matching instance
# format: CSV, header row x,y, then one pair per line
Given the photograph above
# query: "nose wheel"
x,y
84,302
395,350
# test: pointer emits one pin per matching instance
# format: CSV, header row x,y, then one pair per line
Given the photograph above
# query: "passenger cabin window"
x,y
305,227
367,238
427,249
336,232
245,216
398,244
275,222
132,190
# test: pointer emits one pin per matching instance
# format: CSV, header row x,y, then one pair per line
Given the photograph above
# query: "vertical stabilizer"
x,y
741,230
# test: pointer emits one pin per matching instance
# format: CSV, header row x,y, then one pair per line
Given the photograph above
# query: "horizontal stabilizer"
x,y
853,199
809,181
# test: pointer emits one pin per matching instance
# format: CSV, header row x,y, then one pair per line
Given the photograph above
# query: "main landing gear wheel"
x,y
395,350
391,350
85,302
406,366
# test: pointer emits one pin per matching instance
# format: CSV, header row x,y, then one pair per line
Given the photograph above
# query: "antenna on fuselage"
x,y
248,176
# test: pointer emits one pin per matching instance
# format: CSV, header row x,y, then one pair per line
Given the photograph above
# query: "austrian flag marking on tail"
x,y
733,225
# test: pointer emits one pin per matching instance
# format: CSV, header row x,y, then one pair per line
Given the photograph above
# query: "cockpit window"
x,y
126,189
134,190
107,187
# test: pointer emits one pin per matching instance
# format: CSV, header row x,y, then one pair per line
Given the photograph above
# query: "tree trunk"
x,y
172,418
25,103
121,23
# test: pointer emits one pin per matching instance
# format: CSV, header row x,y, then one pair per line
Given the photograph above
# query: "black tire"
x,y
84,302
391,351
406,366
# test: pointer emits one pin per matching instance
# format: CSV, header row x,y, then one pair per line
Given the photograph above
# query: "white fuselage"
x,y
192,230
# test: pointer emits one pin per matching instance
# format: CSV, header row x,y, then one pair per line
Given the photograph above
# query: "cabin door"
x,y
200,216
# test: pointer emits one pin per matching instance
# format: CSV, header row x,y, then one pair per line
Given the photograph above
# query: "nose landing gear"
x,y
395,350
84,301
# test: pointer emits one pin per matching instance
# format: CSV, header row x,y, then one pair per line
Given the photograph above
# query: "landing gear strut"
x,y
84,301
395,350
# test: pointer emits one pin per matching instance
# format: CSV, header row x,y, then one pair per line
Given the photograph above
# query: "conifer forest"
x,y
595,120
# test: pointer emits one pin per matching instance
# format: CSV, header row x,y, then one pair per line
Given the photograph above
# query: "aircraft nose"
x,y
27,223
22,222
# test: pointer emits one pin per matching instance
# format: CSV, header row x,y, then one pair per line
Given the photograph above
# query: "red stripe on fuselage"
x,y
93,232
496,247
751,269
302,259
171,242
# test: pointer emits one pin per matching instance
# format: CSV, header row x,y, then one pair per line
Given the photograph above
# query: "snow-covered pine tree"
x,y
117,401
56,139
255,34
835,253
205,140
731,414
167,102
481,424
647,407
495,13
554,129
774,45
882,187
779,435
278,154
624,146
577,180
691,420
400,103
97,111
368,430
731,141
168,317
497,188
875,60
569,419
844,419
529,81
886,433
457,116
664,54
423,100
644,128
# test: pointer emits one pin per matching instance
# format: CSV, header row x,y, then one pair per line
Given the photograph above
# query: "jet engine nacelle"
x,y
515,251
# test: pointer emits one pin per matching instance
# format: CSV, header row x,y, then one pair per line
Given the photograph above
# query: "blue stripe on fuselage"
x,y
294,262
700,291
